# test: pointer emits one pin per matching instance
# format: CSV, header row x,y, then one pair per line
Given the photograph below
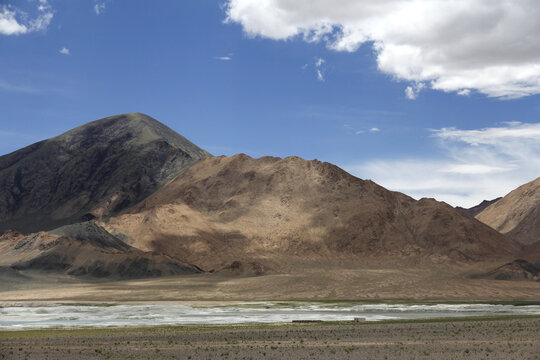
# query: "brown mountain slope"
x,y
271,211
517,214
475,210
531,253
84,250
99,168
517,270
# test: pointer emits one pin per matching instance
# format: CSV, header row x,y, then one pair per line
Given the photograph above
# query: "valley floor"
x,y
466,338
367,283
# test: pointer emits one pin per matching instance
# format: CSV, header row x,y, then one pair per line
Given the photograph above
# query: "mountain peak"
x,y
94,170
517,214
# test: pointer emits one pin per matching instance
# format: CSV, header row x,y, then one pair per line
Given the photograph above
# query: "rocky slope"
x,y
517,214
475,210
227,211
517,270
84,250
97,169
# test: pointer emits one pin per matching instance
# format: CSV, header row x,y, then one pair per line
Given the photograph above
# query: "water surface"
x,y
75,316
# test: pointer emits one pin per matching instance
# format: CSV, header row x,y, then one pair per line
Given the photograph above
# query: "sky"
x,y
431,98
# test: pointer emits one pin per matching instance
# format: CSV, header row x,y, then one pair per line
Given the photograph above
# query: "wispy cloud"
x,y
319,62
361,131
99,7
5,86
224,58
475,165
64,51
411,92
320,76
16,22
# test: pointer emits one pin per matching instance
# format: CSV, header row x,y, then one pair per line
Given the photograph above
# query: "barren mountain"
x,y
517,214
84,250
94,170
519,270
231,212
475,210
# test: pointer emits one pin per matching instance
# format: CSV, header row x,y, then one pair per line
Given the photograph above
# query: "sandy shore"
x,y
490,338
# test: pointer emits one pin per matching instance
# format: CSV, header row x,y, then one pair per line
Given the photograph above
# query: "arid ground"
x,y
466,338
346,282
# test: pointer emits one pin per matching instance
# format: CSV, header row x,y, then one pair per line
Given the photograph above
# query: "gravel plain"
x,y
466,338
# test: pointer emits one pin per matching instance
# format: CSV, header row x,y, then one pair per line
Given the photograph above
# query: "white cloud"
x,y
64,51
475,165
359,132
488,46
320,75
99,7
319,62
16,22
411,92
514,133
9,24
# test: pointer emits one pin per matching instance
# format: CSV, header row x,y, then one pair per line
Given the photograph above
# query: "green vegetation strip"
x,y
167,329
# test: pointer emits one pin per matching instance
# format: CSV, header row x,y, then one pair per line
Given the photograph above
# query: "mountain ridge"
x,y
94,170
237,208
517,215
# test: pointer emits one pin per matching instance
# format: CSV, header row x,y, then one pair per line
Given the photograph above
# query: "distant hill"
x,y
95,170
224,212
517,214
517,270
475,210
84,250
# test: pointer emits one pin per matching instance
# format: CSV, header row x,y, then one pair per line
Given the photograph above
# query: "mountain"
x,y
84,250
475,210
93,171
229,213
518,270
517,214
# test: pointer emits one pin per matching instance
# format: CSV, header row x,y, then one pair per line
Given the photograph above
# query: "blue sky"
x,y
284,78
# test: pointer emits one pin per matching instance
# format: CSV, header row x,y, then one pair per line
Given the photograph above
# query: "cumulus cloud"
x,y
9,24
475,165
488,46
64,51
15,22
